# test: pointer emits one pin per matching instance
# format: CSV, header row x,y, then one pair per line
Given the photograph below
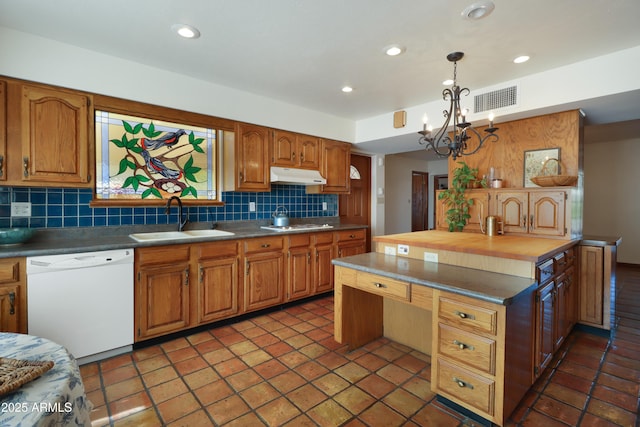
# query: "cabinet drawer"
x,y
346,235
467,316
218,249
467,348
383,286
263,244
323,238
544,271
467,387
299,240
162,254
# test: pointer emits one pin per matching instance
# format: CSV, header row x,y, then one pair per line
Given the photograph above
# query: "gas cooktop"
x,y
295,227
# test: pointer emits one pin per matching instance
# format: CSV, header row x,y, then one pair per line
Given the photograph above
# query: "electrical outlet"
x,y
252,206
324,206
21,209
431,257
389,250
403,249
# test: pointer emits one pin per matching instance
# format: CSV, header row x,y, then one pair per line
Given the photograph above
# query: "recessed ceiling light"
x,y
521,59
347,89
478,10
394,50
186,31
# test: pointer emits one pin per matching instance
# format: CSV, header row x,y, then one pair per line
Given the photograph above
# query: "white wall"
x,y
398,171
612,196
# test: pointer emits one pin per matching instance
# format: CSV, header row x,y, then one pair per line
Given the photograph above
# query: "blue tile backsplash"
x,y
69,207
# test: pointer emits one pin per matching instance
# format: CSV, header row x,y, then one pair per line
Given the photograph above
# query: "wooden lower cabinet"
x,y
162,296
597,287
217,284
264,274
322,267
545,319
299,266
350,242
13,295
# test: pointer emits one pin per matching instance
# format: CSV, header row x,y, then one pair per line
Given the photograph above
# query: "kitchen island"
x,y
476,310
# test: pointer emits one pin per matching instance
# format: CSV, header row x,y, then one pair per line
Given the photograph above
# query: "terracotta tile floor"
x,y
285,369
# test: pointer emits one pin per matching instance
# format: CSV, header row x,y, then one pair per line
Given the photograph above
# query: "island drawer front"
x,y
466,387
383,286
262,244
347,235
545,271
467,316
470,349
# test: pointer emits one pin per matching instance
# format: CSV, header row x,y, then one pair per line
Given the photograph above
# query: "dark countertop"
x,y
484,285
592,240
54,241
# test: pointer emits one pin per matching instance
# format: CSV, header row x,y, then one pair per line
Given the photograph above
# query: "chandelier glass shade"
x,y
458,144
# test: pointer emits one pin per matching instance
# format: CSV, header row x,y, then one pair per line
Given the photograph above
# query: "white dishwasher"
x,y
83,301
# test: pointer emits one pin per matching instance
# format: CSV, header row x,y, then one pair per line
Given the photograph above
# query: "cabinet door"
x,y
10,308
565,306
283,151
591,294
3,129
544,327
263,280
55,128
441,213
252,158
299,274
478,210
323,271
351,248
217,295
163,299
513,209
336,165
547,213
308,149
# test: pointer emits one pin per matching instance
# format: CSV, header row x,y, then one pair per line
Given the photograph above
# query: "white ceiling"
x,y
303,51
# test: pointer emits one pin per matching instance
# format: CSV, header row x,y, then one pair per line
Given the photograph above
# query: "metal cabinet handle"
x,y
246,263
462,384
186,277
464,315
462,345
12,303
25,165
531,222
524,221
308,257
293,155
265,245
201,273
1,165
379,285
241,176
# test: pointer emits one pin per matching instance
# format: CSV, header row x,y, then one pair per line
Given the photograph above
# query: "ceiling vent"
x,y
496,99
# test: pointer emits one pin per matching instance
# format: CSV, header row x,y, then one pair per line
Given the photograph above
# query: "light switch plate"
x,y
20,209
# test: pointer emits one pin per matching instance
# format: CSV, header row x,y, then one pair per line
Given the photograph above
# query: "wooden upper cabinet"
x,y
513,209
252,158
479,210
295,150
336,167
55,132
547,213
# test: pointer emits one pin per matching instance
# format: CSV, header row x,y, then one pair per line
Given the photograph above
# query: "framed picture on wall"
x,y
534,161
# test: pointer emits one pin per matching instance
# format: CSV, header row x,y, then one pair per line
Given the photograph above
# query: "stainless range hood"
x,y
296,176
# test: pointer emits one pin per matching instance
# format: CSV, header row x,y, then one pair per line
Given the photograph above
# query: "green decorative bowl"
x,y
15,236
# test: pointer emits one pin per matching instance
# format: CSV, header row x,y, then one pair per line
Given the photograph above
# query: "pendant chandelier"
x,y
441,143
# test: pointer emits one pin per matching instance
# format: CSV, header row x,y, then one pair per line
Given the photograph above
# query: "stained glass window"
x,y
138,158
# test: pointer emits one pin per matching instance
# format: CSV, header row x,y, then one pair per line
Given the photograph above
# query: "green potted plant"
x,y
454,199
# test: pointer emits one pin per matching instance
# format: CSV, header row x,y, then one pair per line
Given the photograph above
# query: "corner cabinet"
x,y
50,133
251,152
13,295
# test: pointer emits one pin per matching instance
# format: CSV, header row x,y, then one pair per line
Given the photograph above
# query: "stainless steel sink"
x,y
155,236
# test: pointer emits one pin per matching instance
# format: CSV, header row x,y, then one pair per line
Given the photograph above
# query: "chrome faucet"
x,y
181,222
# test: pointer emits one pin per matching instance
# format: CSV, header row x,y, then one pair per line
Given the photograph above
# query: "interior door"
x,y
419,201
355,207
